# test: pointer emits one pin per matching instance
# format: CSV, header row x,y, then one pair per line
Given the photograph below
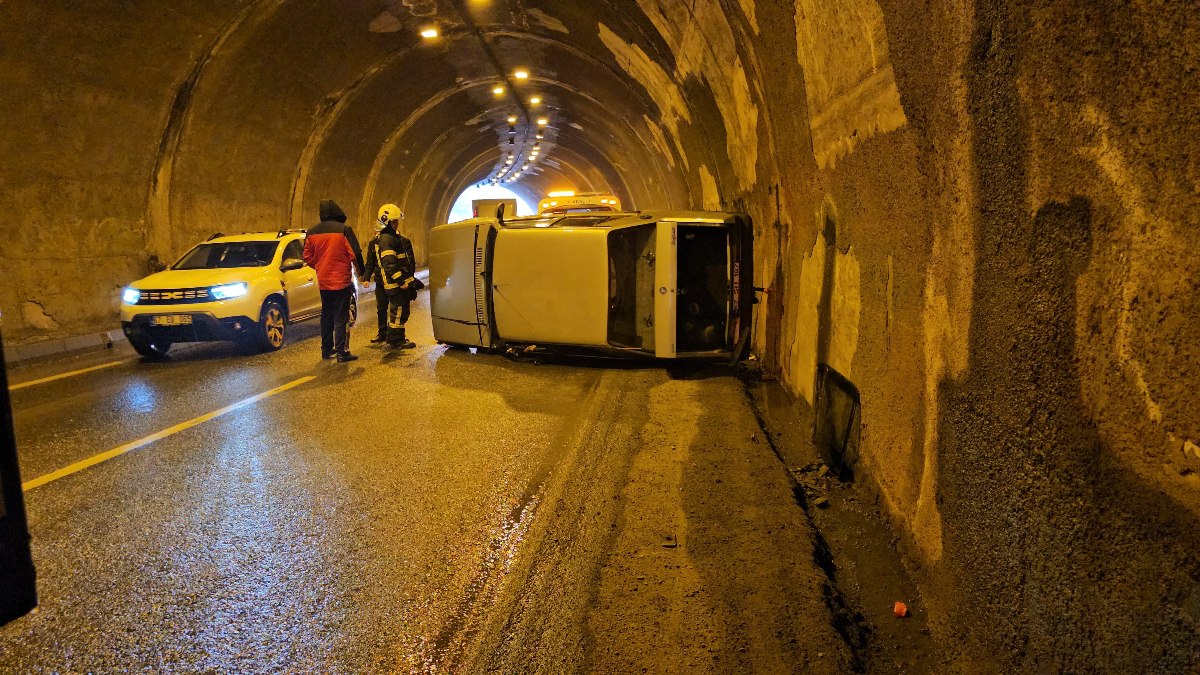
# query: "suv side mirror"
x,y
291,264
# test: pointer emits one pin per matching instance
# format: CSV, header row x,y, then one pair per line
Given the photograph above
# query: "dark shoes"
x,y
378,338
406,344
346,356
328,355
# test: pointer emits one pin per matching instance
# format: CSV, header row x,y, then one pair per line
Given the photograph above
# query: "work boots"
x,y
397,339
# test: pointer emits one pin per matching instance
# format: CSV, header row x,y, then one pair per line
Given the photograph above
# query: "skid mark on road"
x,y
447,650
140,443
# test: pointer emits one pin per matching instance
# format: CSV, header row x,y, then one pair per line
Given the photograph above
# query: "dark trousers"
x,y
381,309
335,315
398,310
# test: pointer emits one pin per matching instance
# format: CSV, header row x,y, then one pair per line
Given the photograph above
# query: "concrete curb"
x,y
20,354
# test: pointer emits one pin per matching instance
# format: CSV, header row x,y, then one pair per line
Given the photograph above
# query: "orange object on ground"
x,y
900,610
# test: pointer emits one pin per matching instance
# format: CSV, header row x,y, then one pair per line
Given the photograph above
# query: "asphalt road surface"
x,y
417,511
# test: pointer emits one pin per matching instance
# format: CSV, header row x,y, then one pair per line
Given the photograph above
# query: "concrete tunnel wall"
x,y
983,213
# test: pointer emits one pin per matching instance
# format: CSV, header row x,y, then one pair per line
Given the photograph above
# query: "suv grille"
x,y
180,296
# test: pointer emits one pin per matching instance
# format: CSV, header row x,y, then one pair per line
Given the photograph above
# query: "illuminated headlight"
x,y
131,296
229,291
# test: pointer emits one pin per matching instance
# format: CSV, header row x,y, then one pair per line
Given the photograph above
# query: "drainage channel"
x,y
854,546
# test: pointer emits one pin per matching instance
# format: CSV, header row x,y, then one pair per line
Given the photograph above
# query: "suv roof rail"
x,y
215,235
287,231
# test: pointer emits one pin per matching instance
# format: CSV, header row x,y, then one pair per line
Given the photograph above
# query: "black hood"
x,y
331,211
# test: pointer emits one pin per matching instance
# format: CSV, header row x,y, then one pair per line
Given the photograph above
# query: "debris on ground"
x,y
900,610
814,479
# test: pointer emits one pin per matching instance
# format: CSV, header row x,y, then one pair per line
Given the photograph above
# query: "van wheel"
x,y
151,349
272,325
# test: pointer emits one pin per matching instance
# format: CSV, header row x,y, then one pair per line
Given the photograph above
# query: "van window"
x,y
631,287
703,287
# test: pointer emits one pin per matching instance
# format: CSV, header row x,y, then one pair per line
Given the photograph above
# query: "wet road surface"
x,y
418,511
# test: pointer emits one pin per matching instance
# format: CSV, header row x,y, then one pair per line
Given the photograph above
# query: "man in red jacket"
x,y
332,249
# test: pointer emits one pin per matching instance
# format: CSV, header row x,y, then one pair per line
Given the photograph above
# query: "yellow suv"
x,y
246,288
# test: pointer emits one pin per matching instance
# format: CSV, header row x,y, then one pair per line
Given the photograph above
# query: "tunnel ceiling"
x,y
280,103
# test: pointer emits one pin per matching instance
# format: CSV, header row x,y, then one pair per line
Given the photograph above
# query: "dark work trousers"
x,y
397,316
335,314
381,308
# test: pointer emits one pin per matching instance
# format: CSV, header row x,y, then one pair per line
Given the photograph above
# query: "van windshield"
x,y
631,287
220,255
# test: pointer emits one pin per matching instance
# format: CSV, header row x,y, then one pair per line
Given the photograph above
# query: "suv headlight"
x,y
227,291
131,296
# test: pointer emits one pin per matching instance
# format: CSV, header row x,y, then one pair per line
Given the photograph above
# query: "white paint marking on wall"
x,y
748,10
658,83
708,190
851,89
546,21
660,142
845,314
704,47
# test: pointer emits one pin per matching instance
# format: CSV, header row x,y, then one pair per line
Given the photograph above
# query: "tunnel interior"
x,y
983,214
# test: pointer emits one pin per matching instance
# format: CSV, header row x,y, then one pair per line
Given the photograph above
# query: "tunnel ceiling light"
x,y
521,74
525,168
508,161
512,119
429,33
499,91
540,136
561,193
542,121
535,100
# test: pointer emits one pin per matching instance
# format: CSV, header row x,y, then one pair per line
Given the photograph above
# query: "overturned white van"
x,y
670,284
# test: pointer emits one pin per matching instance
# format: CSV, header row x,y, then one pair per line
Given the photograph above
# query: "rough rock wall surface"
x,y
981,213
85,95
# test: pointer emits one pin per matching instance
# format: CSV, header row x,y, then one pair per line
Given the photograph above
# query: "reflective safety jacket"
x,y
393,253
373,271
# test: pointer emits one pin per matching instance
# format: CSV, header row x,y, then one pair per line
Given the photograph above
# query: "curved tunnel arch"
x,y
346,97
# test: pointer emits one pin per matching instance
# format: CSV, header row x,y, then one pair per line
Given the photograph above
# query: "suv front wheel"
x,y
272,324
151,349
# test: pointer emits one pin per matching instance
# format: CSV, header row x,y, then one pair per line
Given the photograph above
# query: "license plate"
x,y
172,320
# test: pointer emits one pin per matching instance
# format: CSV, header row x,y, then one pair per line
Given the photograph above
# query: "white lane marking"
x,y
73,373
116,452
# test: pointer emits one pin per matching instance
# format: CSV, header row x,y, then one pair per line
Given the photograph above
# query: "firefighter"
x,y
374,273
397,267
